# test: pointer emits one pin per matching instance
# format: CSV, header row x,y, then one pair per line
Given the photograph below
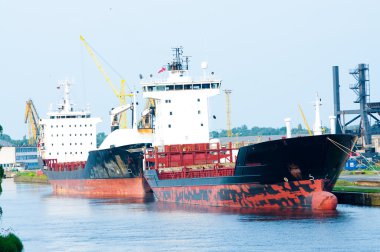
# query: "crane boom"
x,y
100,67
304,120
32,118
121,95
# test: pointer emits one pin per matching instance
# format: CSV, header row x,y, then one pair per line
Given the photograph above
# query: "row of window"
x,y
71,144
26,149
69,117
26,165
181,87
80,125
170,101
52,135
67,153
26,157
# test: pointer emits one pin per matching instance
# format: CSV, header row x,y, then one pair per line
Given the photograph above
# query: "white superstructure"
x,y
182,115
67,135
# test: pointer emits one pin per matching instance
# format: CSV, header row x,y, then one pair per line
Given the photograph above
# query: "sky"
x,y
273,55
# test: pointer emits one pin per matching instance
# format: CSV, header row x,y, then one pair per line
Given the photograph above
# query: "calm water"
x,y
46,222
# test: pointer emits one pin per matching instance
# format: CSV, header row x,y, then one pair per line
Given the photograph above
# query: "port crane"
x,y
32,119
121,95
304,120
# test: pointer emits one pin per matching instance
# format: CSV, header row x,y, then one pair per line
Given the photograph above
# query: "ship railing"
x,y
196,173
53,165
188,155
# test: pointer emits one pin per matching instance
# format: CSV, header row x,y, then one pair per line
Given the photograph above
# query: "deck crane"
x,y
32,119
121,95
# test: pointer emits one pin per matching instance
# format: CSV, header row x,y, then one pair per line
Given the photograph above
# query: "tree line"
x,y
257,131
236,131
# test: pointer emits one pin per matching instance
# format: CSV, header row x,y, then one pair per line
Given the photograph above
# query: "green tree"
x,y
100,138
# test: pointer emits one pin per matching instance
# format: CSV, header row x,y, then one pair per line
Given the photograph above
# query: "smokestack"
x,y
288,127
332,124
317,124
335,70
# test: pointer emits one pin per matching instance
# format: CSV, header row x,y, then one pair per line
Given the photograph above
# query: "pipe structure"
x,y
336,86
332,124
362,69
288,127
317,124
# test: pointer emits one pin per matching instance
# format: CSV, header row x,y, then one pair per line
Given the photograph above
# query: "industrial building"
x,y
19,158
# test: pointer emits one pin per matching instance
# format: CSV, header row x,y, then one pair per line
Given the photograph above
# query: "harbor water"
x,y
46,222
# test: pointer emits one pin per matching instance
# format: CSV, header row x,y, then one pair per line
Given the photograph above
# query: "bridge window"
x,y
197,86
170,87
188,87
206,86
178,87
214,85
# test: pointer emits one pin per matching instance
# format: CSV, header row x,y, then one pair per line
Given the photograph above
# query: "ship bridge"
x,y
182,115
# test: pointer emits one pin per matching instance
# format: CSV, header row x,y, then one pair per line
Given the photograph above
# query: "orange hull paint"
x,y
97,188
296,194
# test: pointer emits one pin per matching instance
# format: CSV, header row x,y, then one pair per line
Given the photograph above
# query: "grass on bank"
x,y
349,186
30,176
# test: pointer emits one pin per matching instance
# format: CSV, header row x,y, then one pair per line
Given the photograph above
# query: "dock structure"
x,y
366,109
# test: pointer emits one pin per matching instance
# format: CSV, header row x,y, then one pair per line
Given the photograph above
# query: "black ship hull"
x,y
294,172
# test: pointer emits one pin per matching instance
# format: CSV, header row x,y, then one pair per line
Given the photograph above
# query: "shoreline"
x,y
353,189
30,177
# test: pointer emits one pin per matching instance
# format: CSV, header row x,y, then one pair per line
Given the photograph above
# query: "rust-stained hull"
x,y
114,172
292,194
99,188
287,173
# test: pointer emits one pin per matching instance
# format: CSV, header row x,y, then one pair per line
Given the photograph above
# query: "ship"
x,y
73,163
185,166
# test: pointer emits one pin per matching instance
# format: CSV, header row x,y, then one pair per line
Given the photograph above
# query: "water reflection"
x,y
247,214
48,222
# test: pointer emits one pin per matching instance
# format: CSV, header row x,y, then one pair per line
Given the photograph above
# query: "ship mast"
x,y
66,107
317,123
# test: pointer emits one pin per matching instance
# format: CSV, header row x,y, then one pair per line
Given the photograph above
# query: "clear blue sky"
x,y
274,55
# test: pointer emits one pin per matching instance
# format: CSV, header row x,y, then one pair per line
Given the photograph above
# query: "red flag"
x,y
162,70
